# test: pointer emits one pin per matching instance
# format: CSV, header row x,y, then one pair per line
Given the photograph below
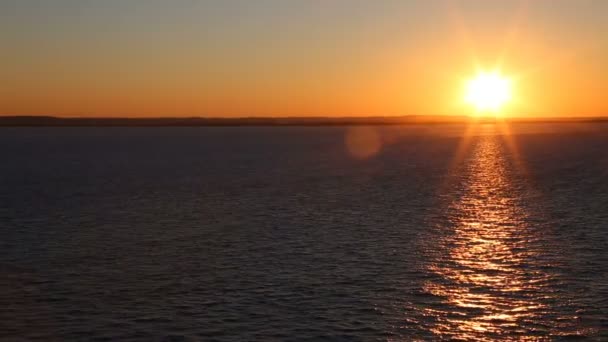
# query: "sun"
x,y
488,91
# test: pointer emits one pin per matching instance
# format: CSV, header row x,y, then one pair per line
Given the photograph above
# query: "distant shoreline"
x,y
51,121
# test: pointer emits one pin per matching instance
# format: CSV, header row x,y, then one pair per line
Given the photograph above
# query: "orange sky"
x,y
298,58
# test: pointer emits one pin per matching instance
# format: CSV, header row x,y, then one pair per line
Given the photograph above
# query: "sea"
x,y
461,232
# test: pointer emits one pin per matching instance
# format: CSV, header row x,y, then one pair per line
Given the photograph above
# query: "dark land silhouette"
x,y
49,121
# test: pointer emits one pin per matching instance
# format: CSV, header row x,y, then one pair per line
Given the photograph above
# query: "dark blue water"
x,y
482,232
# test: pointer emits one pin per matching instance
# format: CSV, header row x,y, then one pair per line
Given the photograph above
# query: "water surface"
x,y
305,233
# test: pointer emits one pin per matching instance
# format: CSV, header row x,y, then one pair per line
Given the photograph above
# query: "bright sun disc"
x,y
488,91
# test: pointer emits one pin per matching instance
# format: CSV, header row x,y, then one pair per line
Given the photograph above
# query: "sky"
x,y
240,58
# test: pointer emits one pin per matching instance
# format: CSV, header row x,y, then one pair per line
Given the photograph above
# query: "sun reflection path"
x,y
488,276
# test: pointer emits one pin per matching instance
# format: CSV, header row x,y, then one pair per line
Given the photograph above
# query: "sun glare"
x,y
488,91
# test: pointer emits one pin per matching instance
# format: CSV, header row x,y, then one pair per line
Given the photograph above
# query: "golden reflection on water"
x,y
488,283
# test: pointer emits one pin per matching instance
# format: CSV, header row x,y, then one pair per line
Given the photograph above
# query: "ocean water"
x,y
440,232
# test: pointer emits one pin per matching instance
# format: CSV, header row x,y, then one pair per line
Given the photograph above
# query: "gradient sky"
x,y
298,57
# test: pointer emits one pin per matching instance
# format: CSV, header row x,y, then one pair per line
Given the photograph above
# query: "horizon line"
x,y
56,121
